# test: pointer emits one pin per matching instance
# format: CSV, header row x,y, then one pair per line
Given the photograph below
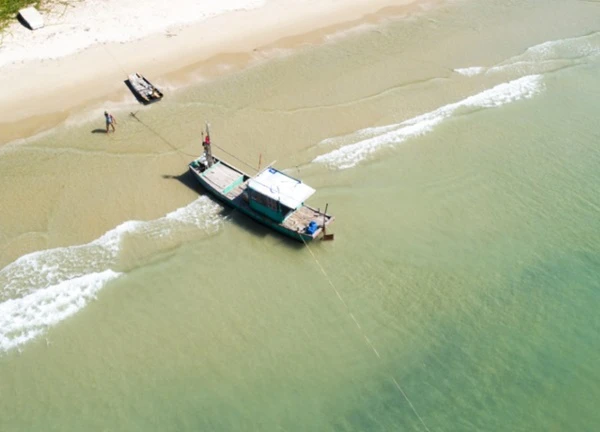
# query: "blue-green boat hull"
x,y
298,236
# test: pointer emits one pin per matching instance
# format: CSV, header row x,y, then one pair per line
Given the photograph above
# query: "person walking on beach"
x,y
110,121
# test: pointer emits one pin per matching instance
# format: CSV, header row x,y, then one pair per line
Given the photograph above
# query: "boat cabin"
x,y
276,195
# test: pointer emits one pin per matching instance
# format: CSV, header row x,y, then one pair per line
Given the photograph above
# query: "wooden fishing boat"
x,y
143,89
270,197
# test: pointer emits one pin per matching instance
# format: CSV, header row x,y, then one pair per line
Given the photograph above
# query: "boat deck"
x,y
220,176
237,191
302,217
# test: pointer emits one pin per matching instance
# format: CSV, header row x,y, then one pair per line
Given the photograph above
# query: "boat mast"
x,y
207,147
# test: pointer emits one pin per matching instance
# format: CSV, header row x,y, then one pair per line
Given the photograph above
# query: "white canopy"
x,y
281,187
32,17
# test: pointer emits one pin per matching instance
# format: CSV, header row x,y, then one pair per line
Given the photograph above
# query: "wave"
x,y
470,71
544,57
373,139
26,318
43,288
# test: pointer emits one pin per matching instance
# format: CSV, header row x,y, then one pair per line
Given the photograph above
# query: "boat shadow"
x,y
186,179
241,220
256,229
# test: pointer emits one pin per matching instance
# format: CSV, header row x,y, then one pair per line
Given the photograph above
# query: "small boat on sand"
x,y
270,197
143,89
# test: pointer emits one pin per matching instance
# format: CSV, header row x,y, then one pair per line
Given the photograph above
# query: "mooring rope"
x,y
233,156
367,340
134,115
115,60
161,137
181,152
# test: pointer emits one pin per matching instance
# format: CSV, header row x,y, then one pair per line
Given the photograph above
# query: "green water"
x,y
465,266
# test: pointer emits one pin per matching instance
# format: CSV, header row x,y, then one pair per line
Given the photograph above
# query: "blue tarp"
x,y
312,227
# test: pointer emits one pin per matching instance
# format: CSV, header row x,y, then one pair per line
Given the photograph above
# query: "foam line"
x,y
549,55
372,139
42,288
470,71
25,318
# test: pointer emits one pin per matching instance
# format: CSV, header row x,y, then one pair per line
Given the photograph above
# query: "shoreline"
x,y
41,94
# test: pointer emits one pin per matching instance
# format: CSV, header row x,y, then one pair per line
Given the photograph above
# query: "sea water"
x,y
458,151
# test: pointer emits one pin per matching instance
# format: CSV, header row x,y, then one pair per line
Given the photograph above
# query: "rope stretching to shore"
x,y
134,115
166,141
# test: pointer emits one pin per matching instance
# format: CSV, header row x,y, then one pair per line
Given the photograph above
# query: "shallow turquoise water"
x,y
461,292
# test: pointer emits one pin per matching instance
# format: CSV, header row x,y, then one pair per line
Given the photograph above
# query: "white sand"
x,y
85,51
75,27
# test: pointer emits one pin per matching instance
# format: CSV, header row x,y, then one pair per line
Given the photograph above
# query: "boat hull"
x,y
295,235
155,96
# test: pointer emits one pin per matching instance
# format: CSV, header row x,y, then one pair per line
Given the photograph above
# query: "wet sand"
x,y
41,94
65,185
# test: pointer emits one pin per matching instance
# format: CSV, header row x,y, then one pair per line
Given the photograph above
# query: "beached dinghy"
x,y
143,89
271,197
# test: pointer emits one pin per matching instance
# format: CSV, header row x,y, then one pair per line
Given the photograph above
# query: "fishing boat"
x,y
270,197
143,89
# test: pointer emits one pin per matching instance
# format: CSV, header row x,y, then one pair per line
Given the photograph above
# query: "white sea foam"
x,y
71,29
577,47
45,287
552,55
25,318
543,57
470,71
367,141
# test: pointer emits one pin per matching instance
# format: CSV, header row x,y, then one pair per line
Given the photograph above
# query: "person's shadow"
x,y
102,131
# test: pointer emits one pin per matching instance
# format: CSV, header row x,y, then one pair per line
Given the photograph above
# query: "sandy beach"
x,y
86,50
